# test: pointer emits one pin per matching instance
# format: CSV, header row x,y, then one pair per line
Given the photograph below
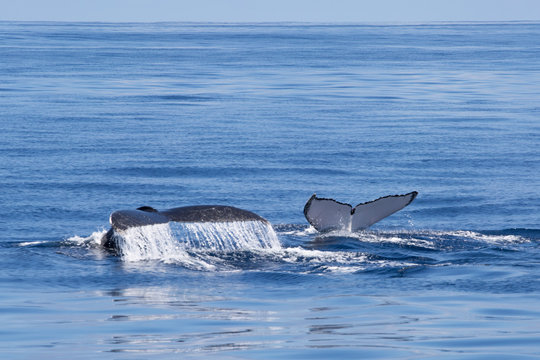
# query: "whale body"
x,y
330,215
124,219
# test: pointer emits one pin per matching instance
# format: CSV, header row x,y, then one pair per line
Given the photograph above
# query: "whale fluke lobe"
x,y
329,214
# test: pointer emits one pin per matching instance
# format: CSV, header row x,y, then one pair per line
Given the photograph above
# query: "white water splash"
x,y
308,231
423,238
209,246
188,244
489,238
229,236
151,242
317,257
344,262
93,240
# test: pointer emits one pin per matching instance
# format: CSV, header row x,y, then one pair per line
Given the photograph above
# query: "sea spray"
x,y
95,239
227,236
189,243
151,242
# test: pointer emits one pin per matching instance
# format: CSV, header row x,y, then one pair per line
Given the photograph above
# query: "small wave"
x,y
342,269
488,238
93,240
32,243
298,254
297,231
337,261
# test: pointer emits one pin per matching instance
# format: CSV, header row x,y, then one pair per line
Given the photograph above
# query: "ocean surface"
x,y
97,117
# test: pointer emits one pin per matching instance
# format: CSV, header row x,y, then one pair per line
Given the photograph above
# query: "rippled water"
x,y
98,117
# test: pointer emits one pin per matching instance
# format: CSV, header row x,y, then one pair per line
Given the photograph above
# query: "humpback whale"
x,y
124,219
328,214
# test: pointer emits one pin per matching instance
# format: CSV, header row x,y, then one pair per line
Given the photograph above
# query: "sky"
x,y
333,11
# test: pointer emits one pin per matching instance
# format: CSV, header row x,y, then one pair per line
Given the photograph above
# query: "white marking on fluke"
x,y
329,215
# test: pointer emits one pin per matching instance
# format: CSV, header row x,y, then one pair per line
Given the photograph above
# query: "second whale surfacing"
x,y
122,220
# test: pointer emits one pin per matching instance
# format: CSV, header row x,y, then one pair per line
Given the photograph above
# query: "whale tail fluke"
x,y
328,214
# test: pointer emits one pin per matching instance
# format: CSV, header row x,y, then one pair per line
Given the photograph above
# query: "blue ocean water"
x,y
97,117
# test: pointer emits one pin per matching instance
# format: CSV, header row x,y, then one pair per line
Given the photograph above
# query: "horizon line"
x,y
352,23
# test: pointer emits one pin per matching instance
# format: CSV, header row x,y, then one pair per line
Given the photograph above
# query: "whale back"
x,y
210,213
146,215
124,219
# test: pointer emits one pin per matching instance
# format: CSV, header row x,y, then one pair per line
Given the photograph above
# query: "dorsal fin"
x,y
147,209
